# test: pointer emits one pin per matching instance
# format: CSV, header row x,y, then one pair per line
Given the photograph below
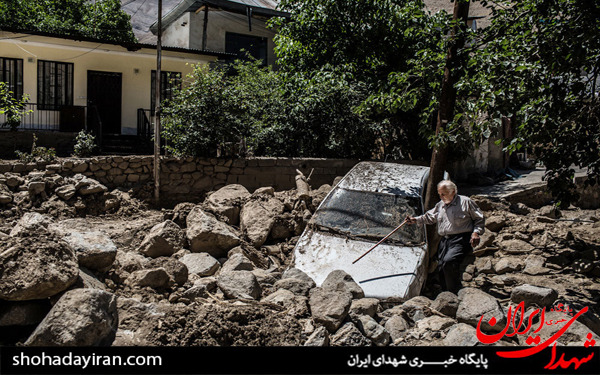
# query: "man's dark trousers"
x,y
451,251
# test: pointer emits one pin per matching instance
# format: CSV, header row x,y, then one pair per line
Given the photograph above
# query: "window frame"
x,y
15,75
264,46
61,96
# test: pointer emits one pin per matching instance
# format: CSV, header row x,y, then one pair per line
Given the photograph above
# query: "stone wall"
x,y
62,142
188,179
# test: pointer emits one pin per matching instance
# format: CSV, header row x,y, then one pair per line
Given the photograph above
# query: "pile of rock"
x,y
221,273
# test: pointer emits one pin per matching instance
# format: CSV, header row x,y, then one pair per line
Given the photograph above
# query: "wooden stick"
x,y
383,239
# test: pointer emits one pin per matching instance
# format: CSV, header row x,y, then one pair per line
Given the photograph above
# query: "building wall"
x,y
135,66
220,22
178,33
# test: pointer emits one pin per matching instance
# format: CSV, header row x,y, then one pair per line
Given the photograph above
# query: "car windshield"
x,y
370,215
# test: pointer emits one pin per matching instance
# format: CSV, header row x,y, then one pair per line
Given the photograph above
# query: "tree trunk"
x,y
452,73
447,100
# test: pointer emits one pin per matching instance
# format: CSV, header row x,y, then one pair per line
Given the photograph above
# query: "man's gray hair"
x,y
447,185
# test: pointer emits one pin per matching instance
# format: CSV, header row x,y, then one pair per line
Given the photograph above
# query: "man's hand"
x,y
411,220
475,239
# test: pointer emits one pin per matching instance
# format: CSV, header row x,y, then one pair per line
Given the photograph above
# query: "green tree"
x,y
101,19
538,64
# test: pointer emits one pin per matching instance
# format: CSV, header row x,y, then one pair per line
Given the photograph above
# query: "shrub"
x,y
85,144
38,154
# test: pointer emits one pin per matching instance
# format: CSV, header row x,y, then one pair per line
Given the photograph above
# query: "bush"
x,y
12,108
276,114
85,144
38,154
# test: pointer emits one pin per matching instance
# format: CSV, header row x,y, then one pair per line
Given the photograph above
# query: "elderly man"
x,y
460,222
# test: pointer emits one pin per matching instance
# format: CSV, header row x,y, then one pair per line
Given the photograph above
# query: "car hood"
x,y
387,271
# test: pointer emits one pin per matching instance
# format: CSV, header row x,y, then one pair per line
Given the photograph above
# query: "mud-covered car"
x,y
367,204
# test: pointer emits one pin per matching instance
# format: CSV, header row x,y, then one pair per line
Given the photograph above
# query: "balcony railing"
x,y
61,118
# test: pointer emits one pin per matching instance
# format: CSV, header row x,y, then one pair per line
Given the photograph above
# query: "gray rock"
x,y
484,265
339,280
6,195
36,268
364,306
201,264
515,246
461,335
486,240
295,281
227,201
95,250
534,265
374,331
237,262
23,313
239,285
36,187
257,218
81,317
508,264
446,303
268,190
533,295
130,261
31,221
201,289
349,335
66,192
474,303
520,209
495,223
88,280
434,323
156,278
295,305
329,308
551,212
397,327
320,337
206,234
178,272
164,239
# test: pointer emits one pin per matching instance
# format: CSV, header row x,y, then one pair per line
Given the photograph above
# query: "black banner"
x,y
295,360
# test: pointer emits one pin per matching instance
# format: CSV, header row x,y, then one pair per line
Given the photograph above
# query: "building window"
x,y
55,85
242,44
169,83
11,72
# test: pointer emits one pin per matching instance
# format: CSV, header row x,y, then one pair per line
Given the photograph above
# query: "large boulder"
x,y
95,250
36,267
473,304
206,234
201,264
227,202
495,223
239,285
258,216
533,295
339,280
294,305
397,327
508,264
329,308
237,262
164,239
446,303
364,306
81,317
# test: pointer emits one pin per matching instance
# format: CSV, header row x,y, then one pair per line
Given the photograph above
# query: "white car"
x,y
366,205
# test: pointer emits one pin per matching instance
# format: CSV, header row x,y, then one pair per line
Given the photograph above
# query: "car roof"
x,y
389,178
